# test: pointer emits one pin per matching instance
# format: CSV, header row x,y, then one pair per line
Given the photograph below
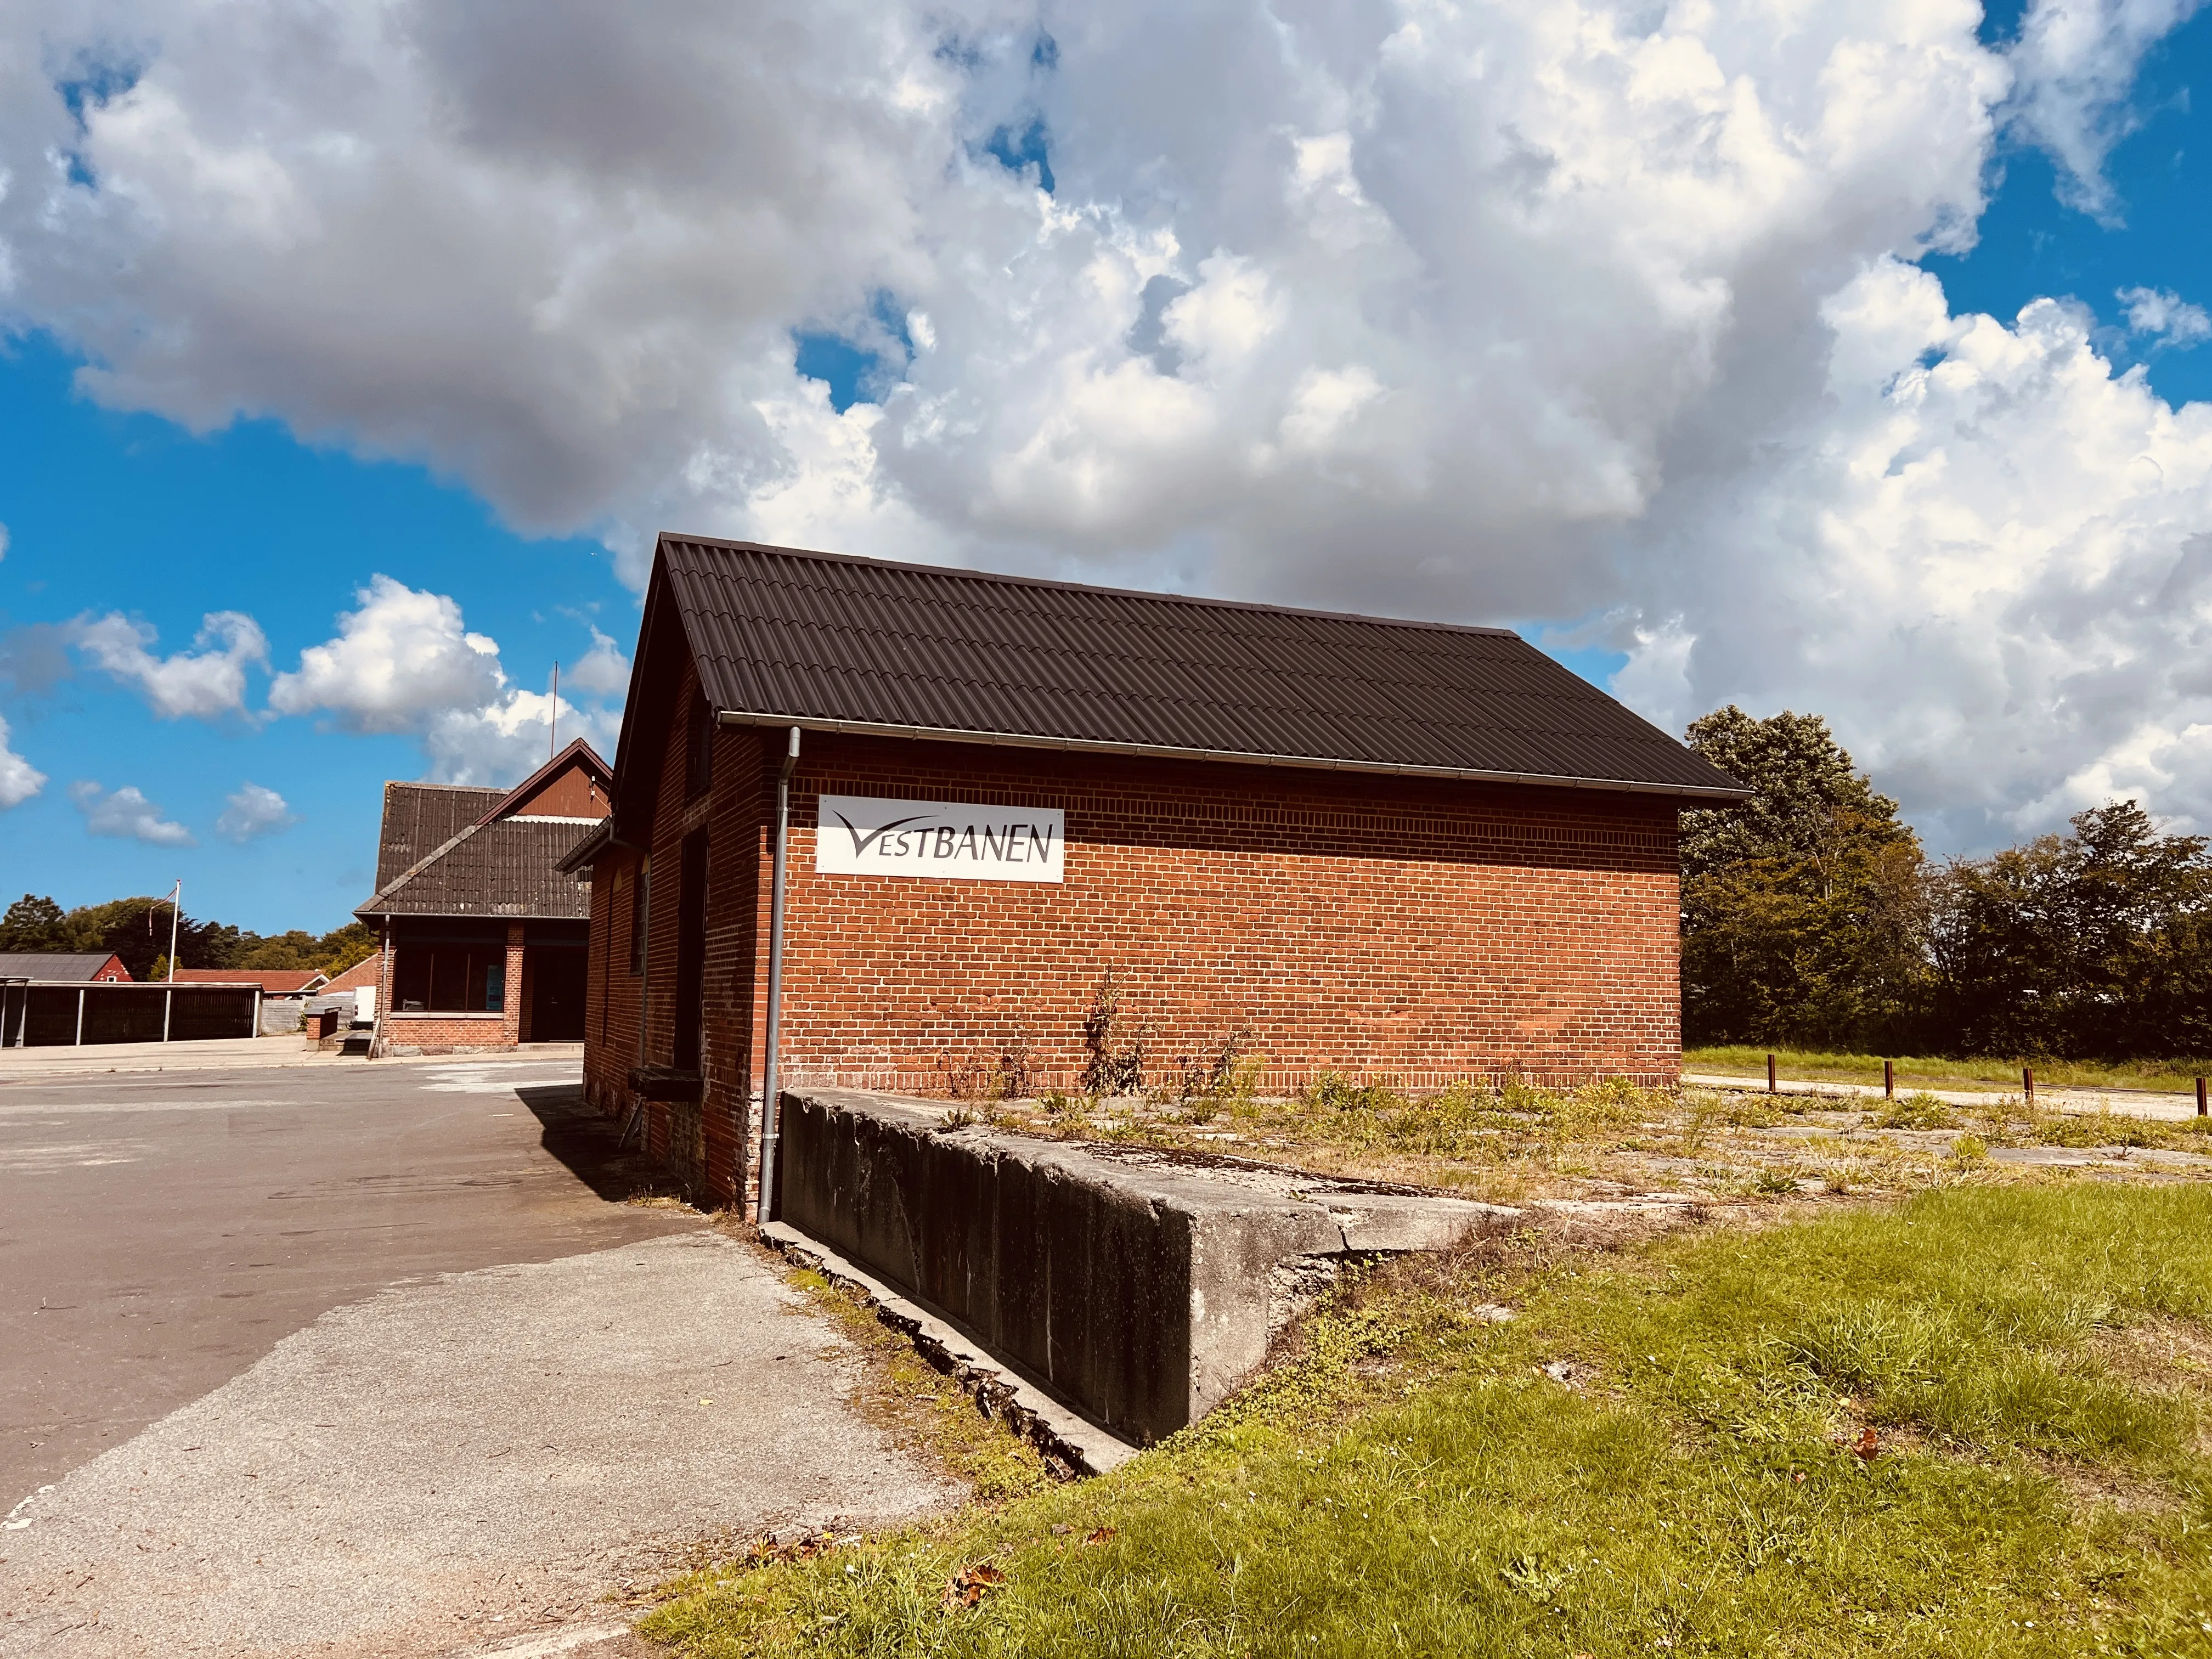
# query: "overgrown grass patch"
x,y
1667,1452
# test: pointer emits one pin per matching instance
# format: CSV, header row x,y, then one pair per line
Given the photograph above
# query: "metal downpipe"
x,y
771,1101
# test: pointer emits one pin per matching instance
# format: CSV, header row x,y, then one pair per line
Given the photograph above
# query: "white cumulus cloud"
x,y
401,656
508,738
2075,61
127,814
603,671
253,811
1561,310
405,661
19,779
2164,314
204,683
1983,550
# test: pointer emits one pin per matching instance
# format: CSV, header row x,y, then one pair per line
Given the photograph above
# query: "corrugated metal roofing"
x,y
421,817
506,869
812,639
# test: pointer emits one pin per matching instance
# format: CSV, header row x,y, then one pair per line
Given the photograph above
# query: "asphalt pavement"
x,y
379,1360
159,1233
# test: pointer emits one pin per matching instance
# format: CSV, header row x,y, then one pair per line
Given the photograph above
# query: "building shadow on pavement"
x,y
586,1143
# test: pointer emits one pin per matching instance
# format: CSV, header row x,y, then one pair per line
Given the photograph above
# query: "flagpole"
x,y
169,997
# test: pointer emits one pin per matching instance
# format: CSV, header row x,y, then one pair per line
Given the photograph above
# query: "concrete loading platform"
x,y
1137,1286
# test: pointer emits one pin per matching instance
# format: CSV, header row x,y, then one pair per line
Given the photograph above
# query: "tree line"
x,y
1813,918
137,931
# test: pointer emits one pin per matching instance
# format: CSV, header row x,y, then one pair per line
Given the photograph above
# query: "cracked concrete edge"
x,y
1051,1427
549,1643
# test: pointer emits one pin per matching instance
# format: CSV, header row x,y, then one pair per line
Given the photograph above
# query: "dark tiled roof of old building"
x,y
421,817
506,868
821,641
449,850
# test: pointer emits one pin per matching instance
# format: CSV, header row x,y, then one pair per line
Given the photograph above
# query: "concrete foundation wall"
x,y
1139,1292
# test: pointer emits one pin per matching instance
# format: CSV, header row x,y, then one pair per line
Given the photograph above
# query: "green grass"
x,y
1806,1065
2031,1362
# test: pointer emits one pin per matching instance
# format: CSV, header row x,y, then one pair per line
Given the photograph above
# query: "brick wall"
x,y
703,1143
415,1034
1397,929
1415,931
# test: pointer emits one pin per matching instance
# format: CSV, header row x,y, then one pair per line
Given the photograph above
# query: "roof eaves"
x,y
577,857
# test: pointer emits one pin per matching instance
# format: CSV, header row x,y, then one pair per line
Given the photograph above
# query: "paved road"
x,y
376,1362
159,1234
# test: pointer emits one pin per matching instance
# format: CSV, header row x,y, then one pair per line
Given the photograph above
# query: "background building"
x,y
65,967
1384,849
483,938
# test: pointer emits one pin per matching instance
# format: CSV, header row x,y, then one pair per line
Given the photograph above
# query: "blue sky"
x,y
130,512
108,512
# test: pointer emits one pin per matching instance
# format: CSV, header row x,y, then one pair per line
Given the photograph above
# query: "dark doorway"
x,y
557,994
690,951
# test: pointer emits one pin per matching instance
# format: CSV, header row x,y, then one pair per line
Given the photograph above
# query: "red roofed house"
x,y
484,938
273,982
366,971
64,967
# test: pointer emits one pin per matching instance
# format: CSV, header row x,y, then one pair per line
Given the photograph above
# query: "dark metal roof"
x,y
784,637
421,817
509,868
64,966
580,857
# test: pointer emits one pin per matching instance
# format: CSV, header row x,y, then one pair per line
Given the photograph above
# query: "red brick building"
x,y
484,936
1391,849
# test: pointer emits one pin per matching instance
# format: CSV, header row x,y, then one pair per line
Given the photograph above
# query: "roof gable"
x,y
784,637
575,785
364,972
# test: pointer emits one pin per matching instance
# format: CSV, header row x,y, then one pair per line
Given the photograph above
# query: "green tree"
x,y
33,924
2092,943
1804,910
343,947
137,930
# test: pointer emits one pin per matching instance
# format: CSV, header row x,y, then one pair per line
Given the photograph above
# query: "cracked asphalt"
x,y
378,1362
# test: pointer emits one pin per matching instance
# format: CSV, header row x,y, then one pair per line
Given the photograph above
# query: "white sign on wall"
x,y
861,835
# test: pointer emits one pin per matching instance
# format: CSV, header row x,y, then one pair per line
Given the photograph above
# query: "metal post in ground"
x,y
1770,1075
2027,1085
80,1017
772,1081
1888,1081
169,996
2200,1098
